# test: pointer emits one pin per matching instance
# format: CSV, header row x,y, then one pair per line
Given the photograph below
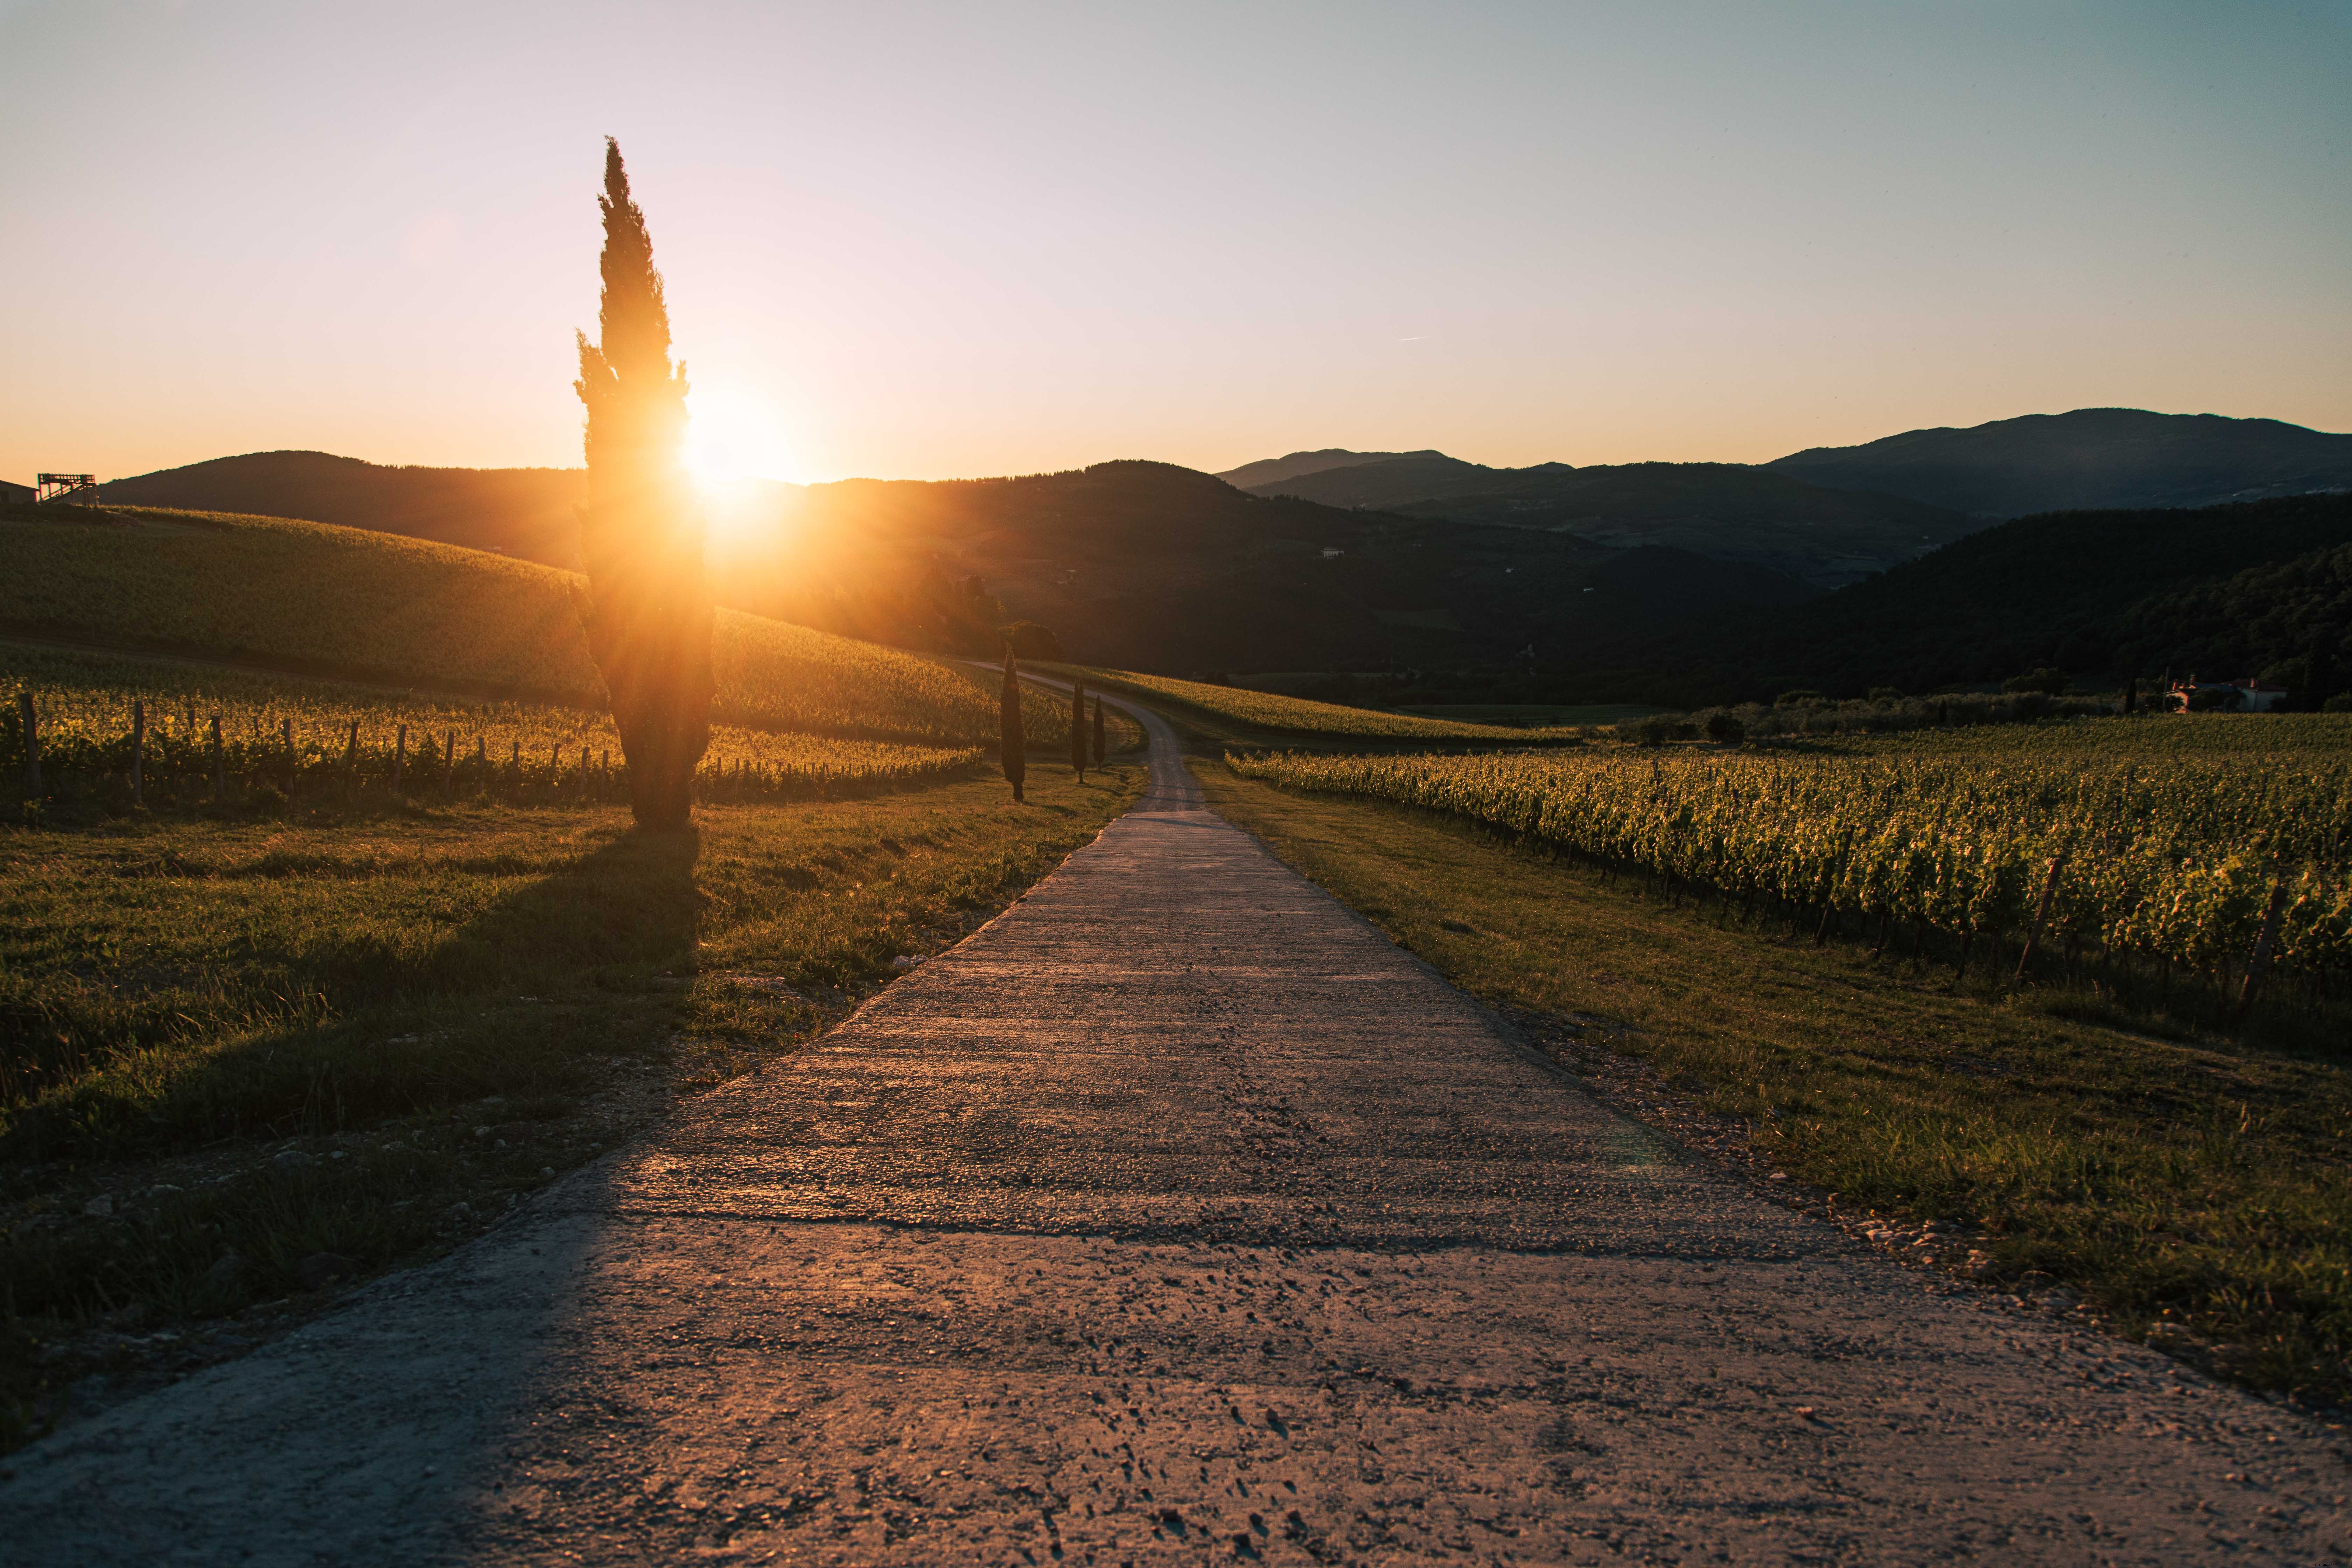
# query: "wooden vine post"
x,y
2041,910
32,742
220,762
1078,729
1013,748
2260,958
138,748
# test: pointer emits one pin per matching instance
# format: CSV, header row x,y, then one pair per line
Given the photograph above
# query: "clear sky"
x,y
923,241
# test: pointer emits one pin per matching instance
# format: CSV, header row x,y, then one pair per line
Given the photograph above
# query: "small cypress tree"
x,y
647,608
2319,677
1102,757
1014,748
2131,697
1078,729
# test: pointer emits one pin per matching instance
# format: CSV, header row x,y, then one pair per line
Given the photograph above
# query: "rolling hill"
x,y
2102,594
1271,470
313,599
530,513
1139,564
2091,458
1724,511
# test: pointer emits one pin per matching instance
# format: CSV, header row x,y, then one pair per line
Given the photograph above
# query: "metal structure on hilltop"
x,y
79,488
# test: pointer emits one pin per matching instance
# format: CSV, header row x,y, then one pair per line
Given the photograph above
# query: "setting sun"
x,y
733,437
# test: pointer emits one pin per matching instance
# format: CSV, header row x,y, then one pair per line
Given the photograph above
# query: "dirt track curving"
x,y
1174,1216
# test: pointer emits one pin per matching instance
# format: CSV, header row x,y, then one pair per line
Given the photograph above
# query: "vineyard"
x,y
375,607
2139,841
208,733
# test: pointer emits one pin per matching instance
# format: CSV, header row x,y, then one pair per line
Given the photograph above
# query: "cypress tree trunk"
x,y
1014,748
1102,757
1078,729
647,608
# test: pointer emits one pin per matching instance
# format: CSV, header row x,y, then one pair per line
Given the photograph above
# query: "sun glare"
x,y
731,439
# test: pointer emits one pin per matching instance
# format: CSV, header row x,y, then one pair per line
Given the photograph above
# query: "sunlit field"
x,y
1226,709
375,607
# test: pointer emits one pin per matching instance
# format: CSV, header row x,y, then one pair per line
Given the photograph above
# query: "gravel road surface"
x,y
1175,1216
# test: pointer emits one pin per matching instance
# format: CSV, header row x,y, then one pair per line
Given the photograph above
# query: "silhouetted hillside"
x,y
1727,511
2290,623
2092,458
1144,565
1273,470
527,512
2097,594
1154,567
1395,481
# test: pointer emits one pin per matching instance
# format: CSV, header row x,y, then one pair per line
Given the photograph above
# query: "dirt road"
x,y
1174,1216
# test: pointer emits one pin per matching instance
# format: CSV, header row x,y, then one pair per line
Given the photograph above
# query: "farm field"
x,y
1233,712
188,1000
1530,715
2192,1190
337,601
295,737
2166,849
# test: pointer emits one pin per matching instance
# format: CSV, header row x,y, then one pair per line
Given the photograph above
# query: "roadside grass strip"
x,y
2196,1192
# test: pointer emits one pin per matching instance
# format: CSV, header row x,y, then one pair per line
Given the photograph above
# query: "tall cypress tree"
x,y
1078,729
1013,747
647,610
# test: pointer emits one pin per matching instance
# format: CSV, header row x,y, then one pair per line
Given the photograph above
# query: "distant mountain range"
x,y
2103,458
2091,458
1273,470
1726,511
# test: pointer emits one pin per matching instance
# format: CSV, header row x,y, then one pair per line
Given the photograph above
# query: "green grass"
x,y
308,597
1239,715
186,996
2197,1192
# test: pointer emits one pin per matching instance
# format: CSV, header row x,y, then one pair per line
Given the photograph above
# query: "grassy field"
x,y
239,1044
2197,1192
1532,715
375,607
1239,715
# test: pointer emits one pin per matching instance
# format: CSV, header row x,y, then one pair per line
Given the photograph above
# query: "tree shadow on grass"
x,y
568,965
